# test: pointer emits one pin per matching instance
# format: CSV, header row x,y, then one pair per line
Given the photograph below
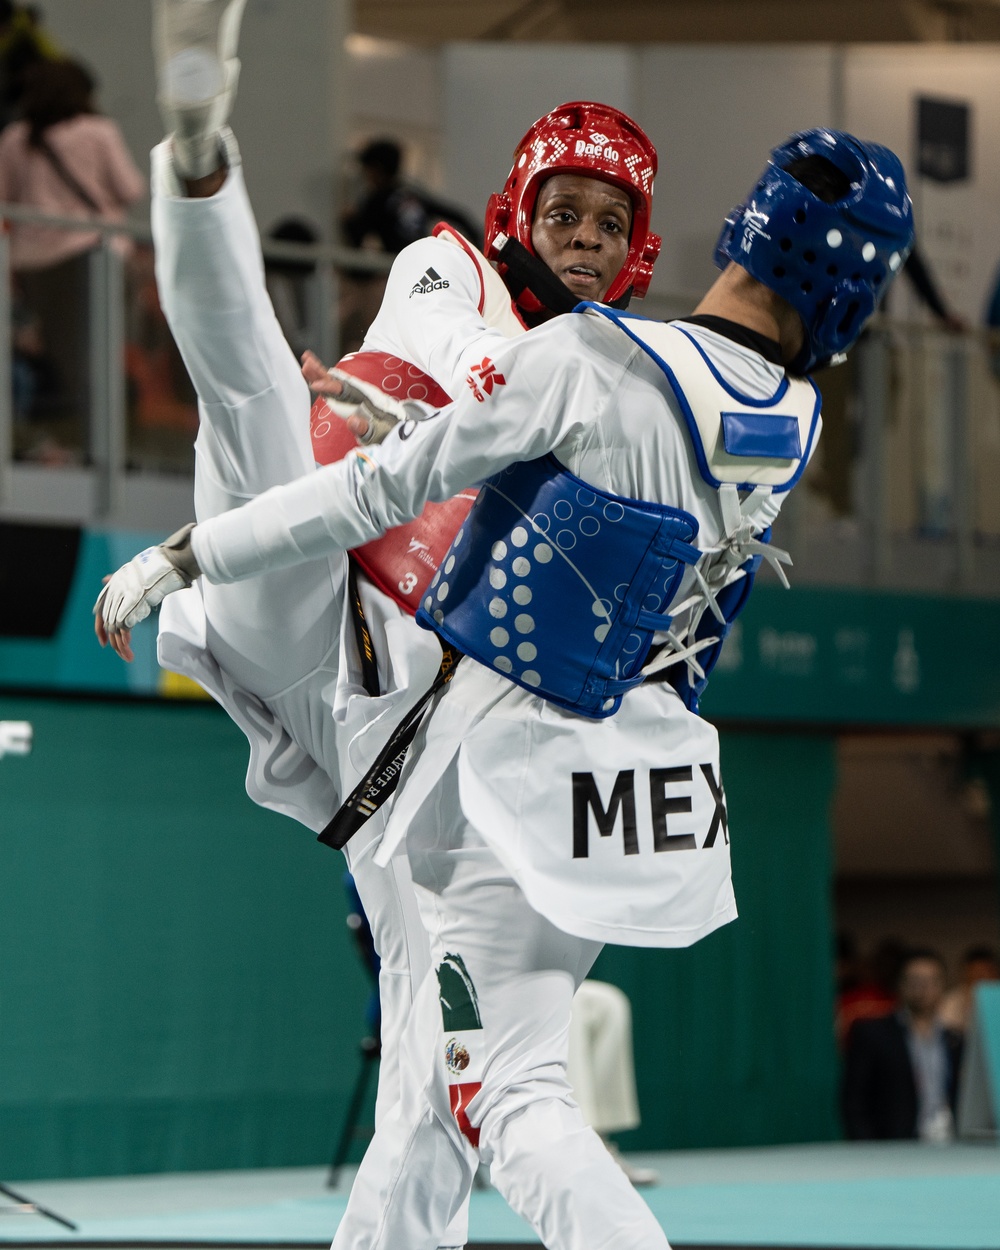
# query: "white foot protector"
x,y
197,70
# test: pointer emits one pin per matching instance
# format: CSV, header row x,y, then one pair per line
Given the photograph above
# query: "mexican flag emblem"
x,y
463,1039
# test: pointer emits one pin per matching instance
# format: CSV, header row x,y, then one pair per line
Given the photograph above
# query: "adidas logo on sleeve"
x,y
431,281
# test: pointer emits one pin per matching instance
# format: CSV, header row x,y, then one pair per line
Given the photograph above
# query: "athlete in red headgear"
x,y
571,223
580,140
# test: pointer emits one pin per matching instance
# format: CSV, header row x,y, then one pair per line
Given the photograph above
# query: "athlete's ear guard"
x,y
644,266
839,324
498,209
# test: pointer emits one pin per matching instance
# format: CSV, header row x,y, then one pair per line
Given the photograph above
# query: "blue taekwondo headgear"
x,y
831,262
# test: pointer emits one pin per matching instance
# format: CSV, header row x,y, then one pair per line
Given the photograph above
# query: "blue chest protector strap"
x,y
724,577
560,586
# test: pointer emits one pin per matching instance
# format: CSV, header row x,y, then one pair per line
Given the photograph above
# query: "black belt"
x,y
362,634
382,778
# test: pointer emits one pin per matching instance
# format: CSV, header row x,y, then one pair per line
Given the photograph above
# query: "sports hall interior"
x,y
182,1003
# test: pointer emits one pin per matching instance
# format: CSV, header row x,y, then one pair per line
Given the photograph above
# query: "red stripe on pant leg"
x,y
461,1096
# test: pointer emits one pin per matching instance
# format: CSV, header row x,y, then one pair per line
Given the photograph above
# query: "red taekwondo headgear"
x,y
595,140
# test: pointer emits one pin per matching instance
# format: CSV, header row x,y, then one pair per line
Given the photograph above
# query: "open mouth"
x,y
584,273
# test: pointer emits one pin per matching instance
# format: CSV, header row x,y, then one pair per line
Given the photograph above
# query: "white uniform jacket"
x,y
312,730
580,388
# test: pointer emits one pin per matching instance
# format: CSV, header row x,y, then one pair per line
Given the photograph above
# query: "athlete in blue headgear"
x,y
826,228
632,470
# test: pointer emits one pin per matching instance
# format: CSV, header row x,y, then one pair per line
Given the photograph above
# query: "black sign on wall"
x,y
943,130
37,563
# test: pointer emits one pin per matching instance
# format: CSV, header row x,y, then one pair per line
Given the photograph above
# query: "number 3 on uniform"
x,y
408,583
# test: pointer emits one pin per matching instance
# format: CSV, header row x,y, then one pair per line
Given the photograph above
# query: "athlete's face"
x,y
581,230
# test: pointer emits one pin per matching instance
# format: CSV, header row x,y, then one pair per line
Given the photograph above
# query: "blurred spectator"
x,y
162,406
923,283
390,215
979,963
901,1071
866,989
393,213
63,158
833,475
993,322
288,284
28,361
601,1068
23,43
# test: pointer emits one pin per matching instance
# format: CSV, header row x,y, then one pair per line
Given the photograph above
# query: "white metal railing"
x,y
902,493
106,452
920,415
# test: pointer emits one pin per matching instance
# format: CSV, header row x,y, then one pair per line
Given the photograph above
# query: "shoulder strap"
x,y
57,163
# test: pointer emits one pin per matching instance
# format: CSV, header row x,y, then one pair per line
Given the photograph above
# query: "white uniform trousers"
x,y
484,1060
278,632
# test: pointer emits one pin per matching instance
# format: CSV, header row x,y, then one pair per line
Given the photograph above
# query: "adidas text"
x,y
431,281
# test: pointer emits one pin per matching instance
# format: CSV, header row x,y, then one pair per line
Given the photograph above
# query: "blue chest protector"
x,y
560,586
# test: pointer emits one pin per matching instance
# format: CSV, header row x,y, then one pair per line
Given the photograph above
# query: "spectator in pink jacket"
x,y
64,159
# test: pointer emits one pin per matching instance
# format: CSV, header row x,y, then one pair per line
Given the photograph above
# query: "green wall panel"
x,y
177,984
178,989
734,1036
857,657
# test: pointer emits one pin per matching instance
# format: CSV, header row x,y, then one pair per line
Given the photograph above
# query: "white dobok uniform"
x,y
279,653
514,916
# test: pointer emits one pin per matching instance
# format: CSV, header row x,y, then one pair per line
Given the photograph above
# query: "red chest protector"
x,y
403,561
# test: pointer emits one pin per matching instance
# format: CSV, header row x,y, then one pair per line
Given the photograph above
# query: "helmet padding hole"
x,y
847,320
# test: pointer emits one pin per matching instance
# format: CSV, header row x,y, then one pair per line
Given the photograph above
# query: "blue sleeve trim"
x,y
731,390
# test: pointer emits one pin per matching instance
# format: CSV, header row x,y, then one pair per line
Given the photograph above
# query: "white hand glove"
x,y
145,582
194,47
363,405
15,737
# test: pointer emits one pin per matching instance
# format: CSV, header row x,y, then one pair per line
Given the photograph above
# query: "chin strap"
x,y
523,271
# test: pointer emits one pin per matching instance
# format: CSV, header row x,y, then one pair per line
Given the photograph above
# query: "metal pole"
x,y
325,313
97,325
107,379
874,379
6,372
964,484
115,365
